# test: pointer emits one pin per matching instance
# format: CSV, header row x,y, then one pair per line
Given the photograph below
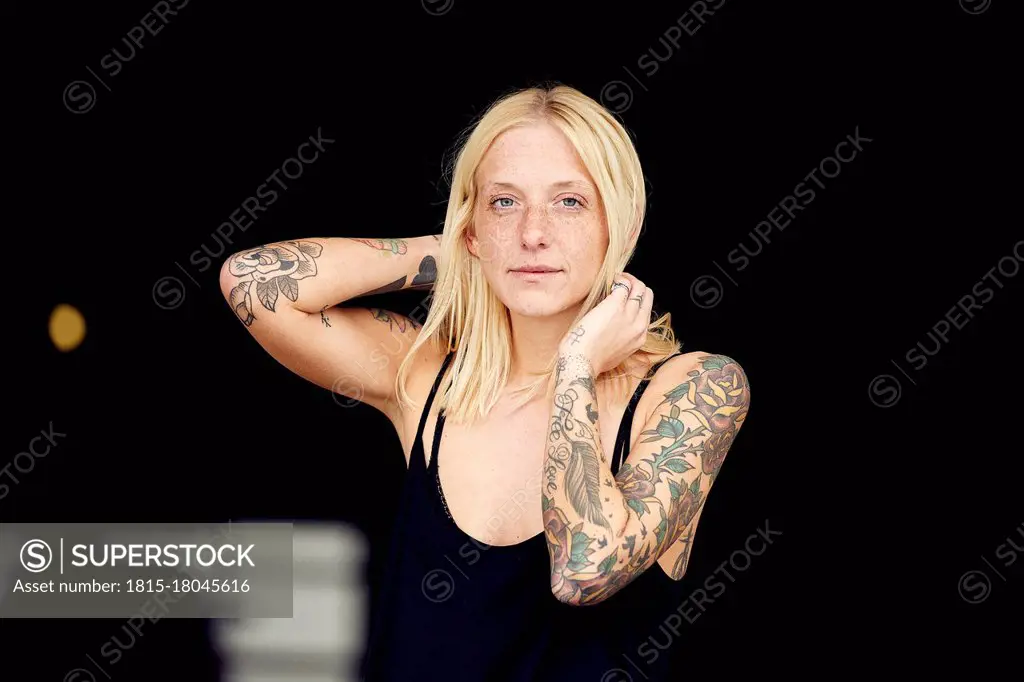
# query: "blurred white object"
x,y
324,639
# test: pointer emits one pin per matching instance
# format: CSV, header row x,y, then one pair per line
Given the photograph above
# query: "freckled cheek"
x,y
497,241
505,233
582,246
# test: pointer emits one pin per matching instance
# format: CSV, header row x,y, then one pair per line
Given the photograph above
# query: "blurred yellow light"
x,y
67,327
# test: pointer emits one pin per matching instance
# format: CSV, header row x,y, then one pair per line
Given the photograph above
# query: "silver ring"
x,y
623,285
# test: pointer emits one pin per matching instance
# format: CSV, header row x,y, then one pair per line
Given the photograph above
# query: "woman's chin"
x,y
540,305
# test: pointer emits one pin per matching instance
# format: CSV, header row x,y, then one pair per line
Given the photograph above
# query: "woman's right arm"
x,y
287,295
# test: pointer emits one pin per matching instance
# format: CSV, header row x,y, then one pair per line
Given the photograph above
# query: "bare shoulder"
x,y
422,371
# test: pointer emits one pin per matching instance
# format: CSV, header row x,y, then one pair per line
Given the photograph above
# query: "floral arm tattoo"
x,y
267,271
602,534
271,270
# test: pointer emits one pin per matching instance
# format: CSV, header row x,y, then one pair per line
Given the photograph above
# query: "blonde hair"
x,y
466,316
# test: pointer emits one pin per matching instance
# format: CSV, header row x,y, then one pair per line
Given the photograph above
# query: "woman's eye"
x,y
502,205
576,201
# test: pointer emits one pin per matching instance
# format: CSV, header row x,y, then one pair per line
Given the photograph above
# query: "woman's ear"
x,y
471,244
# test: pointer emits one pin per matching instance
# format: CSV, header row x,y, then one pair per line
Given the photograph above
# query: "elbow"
x,y
227,280
578,599
583,593
233,286
236,292
566,597
584,577
564,589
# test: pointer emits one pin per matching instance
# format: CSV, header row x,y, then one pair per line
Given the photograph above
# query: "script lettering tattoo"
x,y
577,333
323,318
574,448
557,455
268,270
662,491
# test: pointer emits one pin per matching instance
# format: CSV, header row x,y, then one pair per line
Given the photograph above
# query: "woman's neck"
x,y
534,342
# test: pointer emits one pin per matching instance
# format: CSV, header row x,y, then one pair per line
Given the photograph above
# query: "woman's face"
x,y
537,208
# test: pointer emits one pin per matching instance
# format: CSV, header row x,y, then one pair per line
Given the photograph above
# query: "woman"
x,y
543,535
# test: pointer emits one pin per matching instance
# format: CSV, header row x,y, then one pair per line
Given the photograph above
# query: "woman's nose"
x,y
536,228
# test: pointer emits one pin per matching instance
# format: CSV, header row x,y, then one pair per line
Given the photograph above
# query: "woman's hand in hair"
x,y
616,327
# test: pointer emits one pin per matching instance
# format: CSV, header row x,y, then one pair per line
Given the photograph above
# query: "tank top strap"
x,y
418,456
622,439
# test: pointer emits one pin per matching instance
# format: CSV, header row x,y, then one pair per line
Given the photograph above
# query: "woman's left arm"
x,y
602,532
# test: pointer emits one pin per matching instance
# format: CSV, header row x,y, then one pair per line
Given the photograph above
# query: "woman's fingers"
x,y
638,302
645,309
621,288
635,298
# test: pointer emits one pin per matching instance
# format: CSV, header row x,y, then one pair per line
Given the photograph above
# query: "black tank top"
x,y
453,608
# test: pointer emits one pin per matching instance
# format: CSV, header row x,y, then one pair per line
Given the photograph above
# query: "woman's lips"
x,y
534,275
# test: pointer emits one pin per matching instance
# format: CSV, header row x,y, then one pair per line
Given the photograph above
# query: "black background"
x,y
177,415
